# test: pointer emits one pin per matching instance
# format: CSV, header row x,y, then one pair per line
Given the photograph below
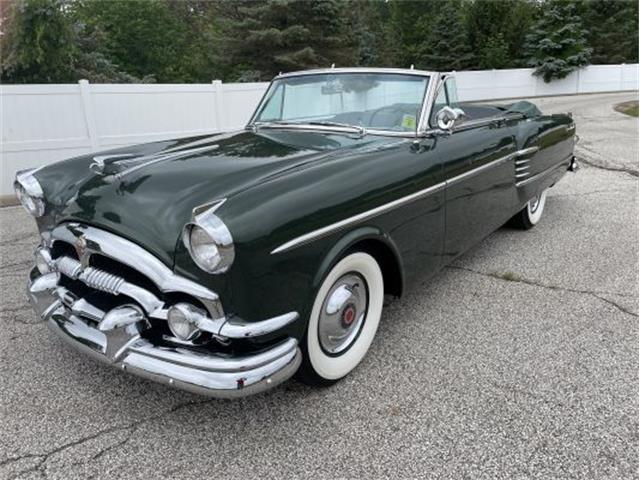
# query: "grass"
x,y
509,276
628,108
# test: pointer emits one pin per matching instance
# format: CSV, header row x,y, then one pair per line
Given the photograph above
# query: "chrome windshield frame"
x,y
421,127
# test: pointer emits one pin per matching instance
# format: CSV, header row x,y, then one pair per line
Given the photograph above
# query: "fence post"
x,y
87,108
578,80
621,76
217,109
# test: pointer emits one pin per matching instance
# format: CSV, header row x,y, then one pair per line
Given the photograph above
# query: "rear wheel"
x,y
344,319
531,214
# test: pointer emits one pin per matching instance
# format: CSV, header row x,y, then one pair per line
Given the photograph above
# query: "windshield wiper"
x,y
359,130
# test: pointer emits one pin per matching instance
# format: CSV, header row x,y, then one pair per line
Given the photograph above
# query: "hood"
x,y
147,192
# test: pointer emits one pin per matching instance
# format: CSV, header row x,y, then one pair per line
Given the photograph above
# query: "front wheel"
x,y
344,320
531,214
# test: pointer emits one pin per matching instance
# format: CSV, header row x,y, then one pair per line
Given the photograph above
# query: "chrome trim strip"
x,y
324,231
427,106
527,151
329,229
426,101
236,328
324,71
543,173
152,159
479,169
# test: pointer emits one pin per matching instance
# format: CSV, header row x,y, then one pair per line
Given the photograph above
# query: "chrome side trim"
x,y
236,328
329,229
527,151
543,173
480,169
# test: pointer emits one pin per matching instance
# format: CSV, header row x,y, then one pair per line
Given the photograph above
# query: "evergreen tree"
x,y
445,45
372,33
262,38
613,30
558,45
495,53
496,30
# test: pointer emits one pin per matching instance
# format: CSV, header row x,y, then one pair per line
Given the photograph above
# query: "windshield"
x,y
377,101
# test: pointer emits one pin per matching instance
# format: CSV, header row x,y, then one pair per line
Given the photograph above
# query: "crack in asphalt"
x,y
19,309
593,293
44,457
583,149
583,194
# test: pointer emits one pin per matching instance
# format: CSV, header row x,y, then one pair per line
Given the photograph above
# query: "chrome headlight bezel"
x,y
209,226
29,192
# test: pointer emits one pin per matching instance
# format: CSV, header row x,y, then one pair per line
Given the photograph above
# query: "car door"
x,y
479,173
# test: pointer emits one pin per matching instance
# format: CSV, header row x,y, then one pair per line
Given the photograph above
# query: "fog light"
x,y
43,260
182,319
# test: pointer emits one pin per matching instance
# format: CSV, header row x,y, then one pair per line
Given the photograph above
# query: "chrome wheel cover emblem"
x,y
343,313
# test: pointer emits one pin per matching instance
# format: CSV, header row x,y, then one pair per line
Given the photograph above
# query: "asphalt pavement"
x,y
518,361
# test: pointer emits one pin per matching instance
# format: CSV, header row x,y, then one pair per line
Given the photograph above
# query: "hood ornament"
x,y
100,162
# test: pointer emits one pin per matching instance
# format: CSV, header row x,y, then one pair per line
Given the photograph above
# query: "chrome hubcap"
x,y
343,313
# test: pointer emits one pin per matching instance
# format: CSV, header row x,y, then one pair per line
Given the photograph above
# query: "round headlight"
x,y
210,243
204,249
181,321
29,193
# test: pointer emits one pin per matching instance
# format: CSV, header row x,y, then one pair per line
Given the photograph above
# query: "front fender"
x,y
367,236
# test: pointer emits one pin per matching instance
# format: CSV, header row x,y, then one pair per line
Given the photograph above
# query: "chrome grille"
x,y
115,266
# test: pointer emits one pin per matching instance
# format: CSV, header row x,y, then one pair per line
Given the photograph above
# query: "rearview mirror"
x,y
448,117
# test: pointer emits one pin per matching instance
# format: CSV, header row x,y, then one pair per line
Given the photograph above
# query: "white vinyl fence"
x,y
45,123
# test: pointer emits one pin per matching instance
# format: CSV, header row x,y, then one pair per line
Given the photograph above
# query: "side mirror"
x,y
448,117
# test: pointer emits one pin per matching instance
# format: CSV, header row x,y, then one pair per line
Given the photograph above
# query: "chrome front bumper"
x,y
121,345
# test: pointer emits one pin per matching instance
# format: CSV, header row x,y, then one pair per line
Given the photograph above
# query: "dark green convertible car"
x,y
224,264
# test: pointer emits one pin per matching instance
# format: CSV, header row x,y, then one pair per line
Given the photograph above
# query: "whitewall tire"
x,y
531,214
344,319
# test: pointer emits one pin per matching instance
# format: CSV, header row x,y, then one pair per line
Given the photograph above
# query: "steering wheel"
x,y
381,109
